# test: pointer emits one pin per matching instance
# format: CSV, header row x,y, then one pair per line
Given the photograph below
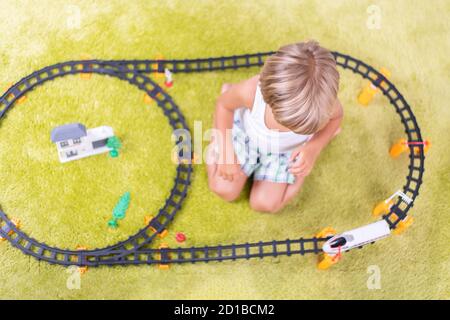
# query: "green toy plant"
x,y
120,210
114,144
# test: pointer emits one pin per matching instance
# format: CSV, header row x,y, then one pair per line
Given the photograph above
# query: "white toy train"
x,y
357,237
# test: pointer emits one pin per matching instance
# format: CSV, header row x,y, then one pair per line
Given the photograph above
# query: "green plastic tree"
x,y
121,207
119,210
114,144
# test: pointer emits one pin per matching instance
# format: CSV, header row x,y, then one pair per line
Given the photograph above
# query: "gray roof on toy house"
x,y
68,131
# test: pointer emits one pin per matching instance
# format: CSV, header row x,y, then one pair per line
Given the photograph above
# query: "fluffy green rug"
x,y
67,205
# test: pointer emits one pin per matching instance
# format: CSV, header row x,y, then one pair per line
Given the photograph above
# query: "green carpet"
x,y
69,205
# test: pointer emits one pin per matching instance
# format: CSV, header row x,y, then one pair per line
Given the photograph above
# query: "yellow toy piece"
x,y
426,147
403,225
158,75
147,220
195,158
382,208
369,91
16,223
161,265
402,146
22,99
177,160
84,269
85,75
398,148
326,232
325,261
148,99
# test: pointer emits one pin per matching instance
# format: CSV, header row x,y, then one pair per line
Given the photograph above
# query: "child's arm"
x,y
237,96
311,150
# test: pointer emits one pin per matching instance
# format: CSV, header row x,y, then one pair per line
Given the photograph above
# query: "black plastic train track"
x,y
136,249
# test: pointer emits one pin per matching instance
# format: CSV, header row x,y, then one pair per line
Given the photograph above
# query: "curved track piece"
x,y
135,249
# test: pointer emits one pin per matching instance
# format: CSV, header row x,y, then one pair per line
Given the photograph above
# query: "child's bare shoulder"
x,y
338,111
241,94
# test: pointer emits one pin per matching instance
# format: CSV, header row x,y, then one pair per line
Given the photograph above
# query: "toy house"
x,y
74,141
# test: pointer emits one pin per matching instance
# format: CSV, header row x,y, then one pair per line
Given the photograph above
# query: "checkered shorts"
x,y
270,167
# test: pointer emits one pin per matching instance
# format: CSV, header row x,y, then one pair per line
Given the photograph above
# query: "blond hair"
x,y
300,83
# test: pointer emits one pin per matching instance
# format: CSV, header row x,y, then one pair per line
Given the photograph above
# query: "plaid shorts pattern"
x,y
270,167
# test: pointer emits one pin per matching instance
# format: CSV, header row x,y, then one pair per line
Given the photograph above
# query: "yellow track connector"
x,y
84,269
426,147
147,220
325,261
148,99
401,146
85,75
163,266
382,208
176,160
22,99
369,91
403,225
326,232
157,75
16,223
195,158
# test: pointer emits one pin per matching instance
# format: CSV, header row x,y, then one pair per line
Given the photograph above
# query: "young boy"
x,y
274,126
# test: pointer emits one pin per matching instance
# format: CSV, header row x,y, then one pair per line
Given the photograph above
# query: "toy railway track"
x,y
136,249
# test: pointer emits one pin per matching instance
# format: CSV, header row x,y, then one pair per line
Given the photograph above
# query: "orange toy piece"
x,y
10,232
326,260
398,148
148,99
326,232
403,225
84,269
369,91
86,75
176,159
157,75
22,99
402,146
195,158
162,234
426,147
382,208
163,266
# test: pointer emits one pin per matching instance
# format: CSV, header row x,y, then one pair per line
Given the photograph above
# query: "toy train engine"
x,y
357,237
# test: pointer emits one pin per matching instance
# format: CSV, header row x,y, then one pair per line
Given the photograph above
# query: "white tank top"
x,y
265,139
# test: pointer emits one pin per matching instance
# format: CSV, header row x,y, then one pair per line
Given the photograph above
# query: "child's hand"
x,y
302,160
229,171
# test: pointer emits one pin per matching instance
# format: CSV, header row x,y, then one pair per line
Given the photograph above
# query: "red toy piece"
x,y
180,237
169,81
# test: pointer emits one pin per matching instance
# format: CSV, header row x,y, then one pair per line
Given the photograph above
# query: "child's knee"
x,y
224,190
265,204
225,87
